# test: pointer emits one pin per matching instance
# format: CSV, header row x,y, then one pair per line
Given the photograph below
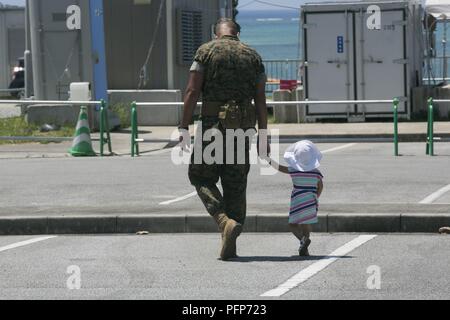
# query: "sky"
x,y
14,2
271,4
245,4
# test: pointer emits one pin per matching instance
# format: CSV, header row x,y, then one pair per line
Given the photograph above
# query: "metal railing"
x,y
431,139
438,70
283,69
104,121
51,102
430,129
135,140
12,90
289,69
396,102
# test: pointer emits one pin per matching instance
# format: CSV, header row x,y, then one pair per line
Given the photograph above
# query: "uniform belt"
x,y
212,108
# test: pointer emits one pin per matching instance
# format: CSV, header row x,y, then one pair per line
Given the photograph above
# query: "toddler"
x,y
303,159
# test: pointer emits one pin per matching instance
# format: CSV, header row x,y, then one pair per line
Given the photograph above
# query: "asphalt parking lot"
x,y
359,178
185,267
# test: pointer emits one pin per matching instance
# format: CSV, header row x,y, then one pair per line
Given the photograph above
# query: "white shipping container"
x,y
347,60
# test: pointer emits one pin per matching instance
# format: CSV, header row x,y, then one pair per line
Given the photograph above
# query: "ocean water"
x,y
275,34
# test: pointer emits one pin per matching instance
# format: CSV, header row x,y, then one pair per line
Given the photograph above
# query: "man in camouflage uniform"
x,y
229,75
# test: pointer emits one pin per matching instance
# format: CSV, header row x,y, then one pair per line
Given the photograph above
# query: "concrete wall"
x,y
291,113
12,42
53,115
151,116
421,96
65,115
443,108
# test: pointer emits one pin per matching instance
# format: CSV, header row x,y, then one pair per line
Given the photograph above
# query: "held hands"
x,y
263,146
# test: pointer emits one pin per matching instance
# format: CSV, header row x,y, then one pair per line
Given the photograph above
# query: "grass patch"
x,y
123,111
18,127
271,119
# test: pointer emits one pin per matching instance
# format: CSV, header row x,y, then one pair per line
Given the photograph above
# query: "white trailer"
x,y
344,59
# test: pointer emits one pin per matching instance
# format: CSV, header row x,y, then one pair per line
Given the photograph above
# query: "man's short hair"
x,y
230,23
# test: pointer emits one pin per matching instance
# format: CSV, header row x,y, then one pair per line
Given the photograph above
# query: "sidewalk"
x,y
317,132
359,132
121,145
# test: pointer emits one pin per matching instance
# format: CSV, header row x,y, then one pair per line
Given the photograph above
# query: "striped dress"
x,y
304,202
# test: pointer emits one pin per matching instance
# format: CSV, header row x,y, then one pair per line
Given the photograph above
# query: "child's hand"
x,y
266,158
279,167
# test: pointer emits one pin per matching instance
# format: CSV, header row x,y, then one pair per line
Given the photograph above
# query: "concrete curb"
x,y
365,223
361,138
130,224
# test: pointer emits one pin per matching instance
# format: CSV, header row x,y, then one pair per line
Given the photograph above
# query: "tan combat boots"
x,y
230,230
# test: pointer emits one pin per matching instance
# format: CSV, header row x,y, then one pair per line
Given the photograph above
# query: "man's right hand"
x,y
185,139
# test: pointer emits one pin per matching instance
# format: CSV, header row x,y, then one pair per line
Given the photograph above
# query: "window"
x,y
190,34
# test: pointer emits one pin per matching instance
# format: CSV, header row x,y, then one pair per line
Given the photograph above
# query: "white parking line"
x,y
318,266
340,148
25,243
193,194
435,195
190,195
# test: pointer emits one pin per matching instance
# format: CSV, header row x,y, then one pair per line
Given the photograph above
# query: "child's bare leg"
x,y
306,230
296,230
305,242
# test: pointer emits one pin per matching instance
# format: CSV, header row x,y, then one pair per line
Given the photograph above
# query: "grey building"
x,y
12,41
131,26
149,44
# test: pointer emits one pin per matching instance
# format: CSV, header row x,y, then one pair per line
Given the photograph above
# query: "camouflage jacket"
x,y
231,69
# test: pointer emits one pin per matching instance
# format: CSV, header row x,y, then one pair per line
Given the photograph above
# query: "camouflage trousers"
x,y
233,177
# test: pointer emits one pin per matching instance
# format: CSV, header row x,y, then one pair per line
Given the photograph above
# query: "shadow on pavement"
x,y
284,259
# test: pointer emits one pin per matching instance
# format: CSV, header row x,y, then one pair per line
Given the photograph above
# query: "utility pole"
x,y
235,10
